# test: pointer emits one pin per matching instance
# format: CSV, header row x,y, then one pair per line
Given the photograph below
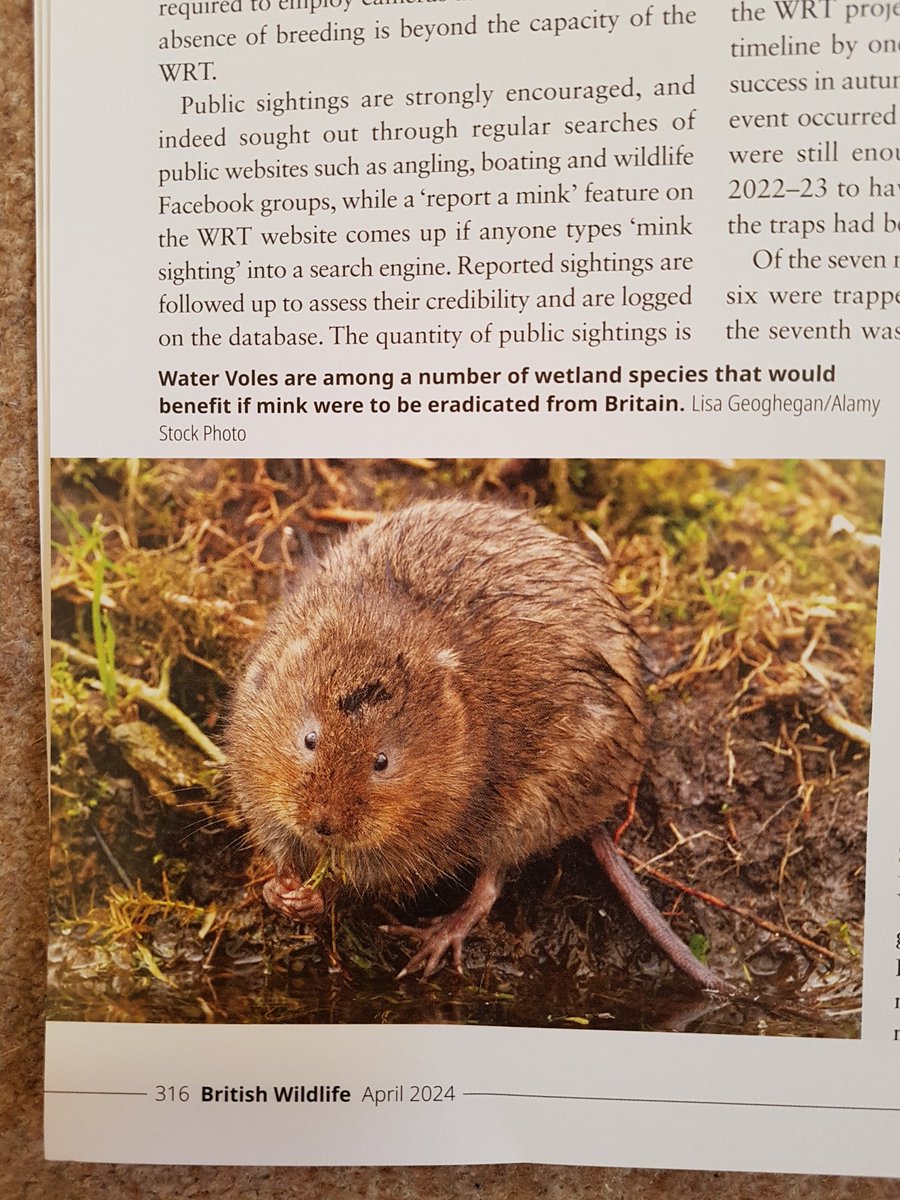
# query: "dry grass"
x,y
758,578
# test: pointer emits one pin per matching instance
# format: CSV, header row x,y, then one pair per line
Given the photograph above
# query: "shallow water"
x,y
566,973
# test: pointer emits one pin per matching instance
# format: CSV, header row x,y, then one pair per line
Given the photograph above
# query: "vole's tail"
x,y
639,903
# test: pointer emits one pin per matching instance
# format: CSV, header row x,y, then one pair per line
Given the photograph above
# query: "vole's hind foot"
x,y
448,933
293,898
437,937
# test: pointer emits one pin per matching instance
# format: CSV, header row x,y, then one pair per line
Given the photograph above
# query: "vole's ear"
x,y
448,659
305,559
255,677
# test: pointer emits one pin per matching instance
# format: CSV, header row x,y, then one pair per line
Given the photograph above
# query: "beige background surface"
x,y
23,1173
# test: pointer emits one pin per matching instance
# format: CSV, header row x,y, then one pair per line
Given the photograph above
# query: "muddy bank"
x,y
753,587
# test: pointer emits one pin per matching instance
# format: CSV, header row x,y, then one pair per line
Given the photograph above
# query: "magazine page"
x,y
466,434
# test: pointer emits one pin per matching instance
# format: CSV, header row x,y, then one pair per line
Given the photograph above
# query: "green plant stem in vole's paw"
x,y
293,898
304,900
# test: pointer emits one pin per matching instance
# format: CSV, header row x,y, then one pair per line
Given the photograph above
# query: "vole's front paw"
x,y
293,898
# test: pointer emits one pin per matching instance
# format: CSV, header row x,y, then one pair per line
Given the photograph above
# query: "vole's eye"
x,y
311,740
380,763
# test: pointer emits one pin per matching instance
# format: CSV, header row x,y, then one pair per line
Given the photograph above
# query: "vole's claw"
x,y
457,957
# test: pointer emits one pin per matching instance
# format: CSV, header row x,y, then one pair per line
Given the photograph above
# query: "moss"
x,y
753,584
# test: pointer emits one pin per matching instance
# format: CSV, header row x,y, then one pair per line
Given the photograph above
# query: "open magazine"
x,y
466,441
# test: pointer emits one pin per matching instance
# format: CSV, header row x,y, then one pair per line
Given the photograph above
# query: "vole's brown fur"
x,y
487,660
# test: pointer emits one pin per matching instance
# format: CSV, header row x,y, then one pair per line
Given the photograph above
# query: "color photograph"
x,y
573,743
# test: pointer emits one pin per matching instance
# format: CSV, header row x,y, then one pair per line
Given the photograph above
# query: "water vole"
x,y
456,687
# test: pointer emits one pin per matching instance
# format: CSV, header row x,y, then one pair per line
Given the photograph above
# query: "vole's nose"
x,y
323,827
